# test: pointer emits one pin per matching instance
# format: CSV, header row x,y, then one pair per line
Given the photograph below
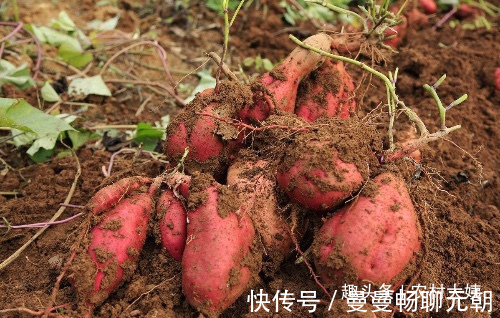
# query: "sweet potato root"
x,y
215,264
375,238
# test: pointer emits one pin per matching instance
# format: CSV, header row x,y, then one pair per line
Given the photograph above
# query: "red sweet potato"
x,y
322,168
417,19
172,224
429,6
254,183
318,187
326,92
277,90
215,265
212,142
465,11
375,238
108,196
115,244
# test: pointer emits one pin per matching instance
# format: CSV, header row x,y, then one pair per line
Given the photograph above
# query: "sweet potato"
x,y
417,19
429,6
108,196
277,90
322,168
215,264
254,183
172,216
115,244
375,238
326,92
465,10
212,142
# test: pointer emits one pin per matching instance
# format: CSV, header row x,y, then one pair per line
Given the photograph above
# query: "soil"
x,y
455,190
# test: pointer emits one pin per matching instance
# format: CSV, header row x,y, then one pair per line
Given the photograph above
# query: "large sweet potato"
x,y
375,238
216,266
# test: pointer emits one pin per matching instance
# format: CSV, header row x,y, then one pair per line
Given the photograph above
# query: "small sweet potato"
x,y
215,264
277,90
429,6
114,248
326,92
172,216
375,238
465,10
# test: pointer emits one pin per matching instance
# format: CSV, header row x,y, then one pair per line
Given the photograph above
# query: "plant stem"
x,y
392,96
225,5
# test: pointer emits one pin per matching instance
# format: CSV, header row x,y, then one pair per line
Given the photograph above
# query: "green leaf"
x,y
248,61
49,94
63,22
104,25
288,18
42,155
72,53
18,76
50,36
17,113
147,135
258,62
80,137
268,65
90,85
37,141
64,153
206,81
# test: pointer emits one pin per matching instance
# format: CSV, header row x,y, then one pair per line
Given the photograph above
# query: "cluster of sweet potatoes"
x,y
268,164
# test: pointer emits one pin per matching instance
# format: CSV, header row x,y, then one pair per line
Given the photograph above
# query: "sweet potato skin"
x,y
116,242
373,239
172,224
213,273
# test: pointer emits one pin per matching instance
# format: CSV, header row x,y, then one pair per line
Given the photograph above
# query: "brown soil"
x,y
455,190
